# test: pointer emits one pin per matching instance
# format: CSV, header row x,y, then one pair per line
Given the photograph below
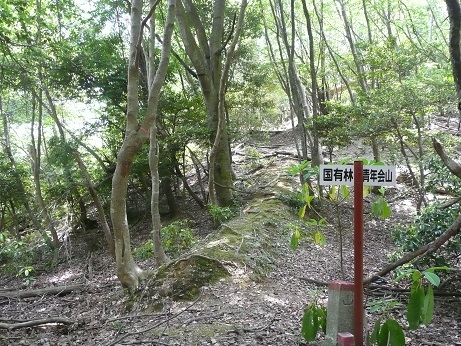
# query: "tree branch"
x,y
451,164
422,251
32,323
59,290
180,60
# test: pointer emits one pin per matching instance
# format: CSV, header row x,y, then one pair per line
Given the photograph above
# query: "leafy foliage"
x,y
220,214
426,227
420,308
177,237
440,178
314,319
19,256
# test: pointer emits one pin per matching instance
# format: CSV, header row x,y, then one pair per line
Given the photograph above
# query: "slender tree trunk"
x,y
98,204
454,13
219,144
156,80
317,157
35,154
128,271
20,186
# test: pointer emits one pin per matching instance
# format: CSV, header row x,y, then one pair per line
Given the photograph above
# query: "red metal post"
x,y
358,253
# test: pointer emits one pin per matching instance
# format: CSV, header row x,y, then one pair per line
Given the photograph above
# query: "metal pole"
x,y
358,253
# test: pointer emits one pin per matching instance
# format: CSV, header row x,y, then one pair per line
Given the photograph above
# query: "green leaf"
x,y
432,278
295,239
428,306
305,192
415,276
404,273
383,336
315,320
381,208
319,238
332,193
415,306
322,316
366,191
386,210
302,211
433,269
307,331
375,333
396,335
345,193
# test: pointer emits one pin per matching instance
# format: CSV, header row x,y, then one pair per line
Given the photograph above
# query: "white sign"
x,y
344,175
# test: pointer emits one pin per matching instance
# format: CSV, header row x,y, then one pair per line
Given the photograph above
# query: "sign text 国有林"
x,y
344,175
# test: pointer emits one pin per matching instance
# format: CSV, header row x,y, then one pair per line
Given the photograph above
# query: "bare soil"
x,y
244,309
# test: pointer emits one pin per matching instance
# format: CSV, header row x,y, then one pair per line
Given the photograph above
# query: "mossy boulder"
x,y
248,240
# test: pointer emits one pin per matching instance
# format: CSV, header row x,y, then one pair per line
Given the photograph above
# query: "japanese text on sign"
x,y
344,175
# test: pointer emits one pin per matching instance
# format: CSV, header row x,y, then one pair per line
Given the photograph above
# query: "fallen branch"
x,y
32,323
453,230
59,290
422,251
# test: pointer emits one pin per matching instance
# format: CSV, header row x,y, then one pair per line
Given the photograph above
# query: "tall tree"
x,y
205,48
137,130
454,13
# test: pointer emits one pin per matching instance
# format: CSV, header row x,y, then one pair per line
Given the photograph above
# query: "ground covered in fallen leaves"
x,y
261,303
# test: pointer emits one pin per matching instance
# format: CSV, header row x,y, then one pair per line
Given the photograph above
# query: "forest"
x,y
159,169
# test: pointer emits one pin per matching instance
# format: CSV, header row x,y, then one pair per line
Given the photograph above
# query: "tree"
x,y
205,48
137,130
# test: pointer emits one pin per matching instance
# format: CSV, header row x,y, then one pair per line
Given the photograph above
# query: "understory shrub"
x,y
177,238
440,178
433,222
16,254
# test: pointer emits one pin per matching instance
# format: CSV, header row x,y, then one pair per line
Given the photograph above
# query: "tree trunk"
x,y
316,151
205,54
156,79
35,155
454,13
128,271
21,189
220,145
98,204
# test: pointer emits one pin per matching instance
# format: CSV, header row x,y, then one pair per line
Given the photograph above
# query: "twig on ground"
x,y
155,325
32,323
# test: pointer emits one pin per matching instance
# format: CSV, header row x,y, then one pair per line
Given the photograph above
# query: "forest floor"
x,y
240,310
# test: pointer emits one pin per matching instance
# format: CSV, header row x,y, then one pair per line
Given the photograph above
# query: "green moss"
x,y
181,280
247,240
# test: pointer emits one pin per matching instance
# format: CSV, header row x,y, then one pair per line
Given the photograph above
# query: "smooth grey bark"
x,y
155,81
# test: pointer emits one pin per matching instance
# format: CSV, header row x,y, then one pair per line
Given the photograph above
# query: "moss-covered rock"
x,y
248,240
